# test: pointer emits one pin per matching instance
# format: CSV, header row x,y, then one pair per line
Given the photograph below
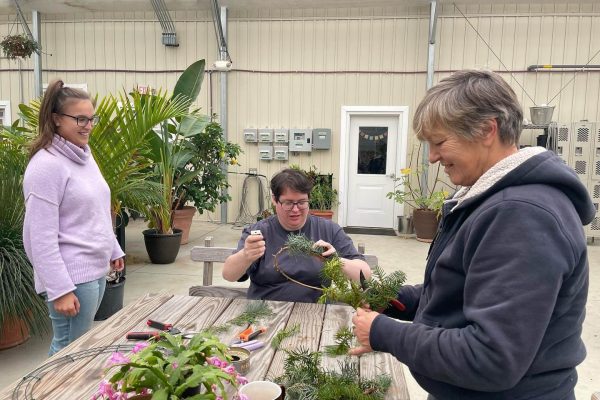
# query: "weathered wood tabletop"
x,y
75,372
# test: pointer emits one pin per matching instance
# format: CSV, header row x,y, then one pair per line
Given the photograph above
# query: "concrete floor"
x,y
406,254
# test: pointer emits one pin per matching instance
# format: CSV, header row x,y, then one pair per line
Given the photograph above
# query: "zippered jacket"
x,y
500,312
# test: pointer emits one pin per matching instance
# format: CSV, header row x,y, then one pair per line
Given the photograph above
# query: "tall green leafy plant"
x,y
188,153
121,144
171,152
206,189
17,294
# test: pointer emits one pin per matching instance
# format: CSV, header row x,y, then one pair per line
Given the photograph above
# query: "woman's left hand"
x,y
329,249
362,321
118,264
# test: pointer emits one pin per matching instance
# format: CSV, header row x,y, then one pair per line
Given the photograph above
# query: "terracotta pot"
x,y
13,332
327,214
425,223
182,219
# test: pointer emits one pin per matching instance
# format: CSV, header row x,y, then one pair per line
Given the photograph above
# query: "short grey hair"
x,y
464,101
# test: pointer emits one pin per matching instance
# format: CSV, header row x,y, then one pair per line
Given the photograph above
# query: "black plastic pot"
x,y
112,300
162,248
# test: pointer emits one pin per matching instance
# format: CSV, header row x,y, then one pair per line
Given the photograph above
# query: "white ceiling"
x,y
83,6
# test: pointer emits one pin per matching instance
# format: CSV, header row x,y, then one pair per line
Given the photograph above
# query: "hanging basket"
x,y
18,46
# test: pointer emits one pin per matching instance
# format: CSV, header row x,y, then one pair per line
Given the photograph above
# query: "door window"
x,y
372,149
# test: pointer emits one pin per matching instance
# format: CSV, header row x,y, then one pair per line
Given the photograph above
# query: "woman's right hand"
x,y
254,247
67,304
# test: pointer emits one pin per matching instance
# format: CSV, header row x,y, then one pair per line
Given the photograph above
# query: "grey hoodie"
x,y
500,312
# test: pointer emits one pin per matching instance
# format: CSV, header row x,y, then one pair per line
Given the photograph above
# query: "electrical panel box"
x,y
281,136
265,135
250,135
280,153
321,138
265,152
301,140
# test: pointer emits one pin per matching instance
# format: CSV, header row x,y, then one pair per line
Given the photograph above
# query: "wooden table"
x,y
74,372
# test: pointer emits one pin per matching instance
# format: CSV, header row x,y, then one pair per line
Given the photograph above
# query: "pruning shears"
x,y
398,305
250,333
162,327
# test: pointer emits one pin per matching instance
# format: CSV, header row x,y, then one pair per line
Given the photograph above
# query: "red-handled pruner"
x,y
156,334
160,325
398,305
142,335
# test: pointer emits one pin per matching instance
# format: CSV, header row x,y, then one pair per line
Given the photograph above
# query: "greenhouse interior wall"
x,y
296,68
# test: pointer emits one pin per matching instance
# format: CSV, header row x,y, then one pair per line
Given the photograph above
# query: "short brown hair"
x,y
292,179
464,101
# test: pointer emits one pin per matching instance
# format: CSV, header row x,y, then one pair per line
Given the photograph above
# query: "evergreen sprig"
x,y
298,244
337,287
305,379
343,342
284,334
383,287
255,311
216,329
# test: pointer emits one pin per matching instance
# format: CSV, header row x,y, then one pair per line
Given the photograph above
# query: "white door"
x,y
372,155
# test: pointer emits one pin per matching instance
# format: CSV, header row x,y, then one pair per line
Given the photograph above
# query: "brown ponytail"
x,y
54,100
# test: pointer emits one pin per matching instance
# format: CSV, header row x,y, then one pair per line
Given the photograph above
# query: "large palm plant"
x,y
17,294
121,146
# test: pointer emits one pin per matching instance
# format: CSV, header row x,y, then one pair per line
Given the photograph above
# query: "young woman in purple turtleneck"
x,y
67,232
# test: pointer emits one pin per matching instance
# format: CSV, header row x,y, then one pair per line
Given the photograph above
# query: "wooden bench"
x,y
209,255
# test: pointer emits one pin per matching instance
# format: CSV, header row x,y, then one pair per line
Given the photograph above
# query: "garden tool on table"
x,y
246,338
398,305
169,328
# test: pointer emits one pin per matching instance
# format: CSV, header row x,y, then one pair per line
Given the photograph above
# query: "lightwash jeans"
x,y
67,329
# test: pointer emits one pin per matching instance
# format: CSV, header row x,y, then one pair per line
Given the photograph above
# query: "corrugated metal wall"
x,y
296,68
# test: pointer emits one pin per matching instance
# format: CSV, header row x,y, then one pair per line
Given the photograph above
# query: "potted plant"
x,y
170,368
171,151
206,188
15,46
323,197
425,199
21,309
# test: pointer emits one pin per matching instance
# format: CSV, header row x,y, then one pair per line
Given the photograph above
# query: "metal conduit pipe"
x,y
547,67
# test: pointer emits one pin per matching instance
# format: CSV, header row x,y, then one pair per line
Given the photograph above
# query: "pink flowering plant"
x,y
170,369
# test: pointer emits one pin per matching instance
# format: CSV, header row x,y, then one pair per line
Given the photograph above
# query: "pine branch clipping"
x,y
343,342
305,379
284,334
301,245
255,311
337,287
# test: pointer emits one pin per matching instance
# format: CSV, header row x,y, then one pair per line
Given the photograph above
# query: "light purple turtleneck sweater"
x,y
67,232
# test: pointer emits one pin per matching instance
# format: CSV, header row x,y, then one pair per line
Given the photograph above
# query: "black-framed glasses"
x,y
288,205
83,121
